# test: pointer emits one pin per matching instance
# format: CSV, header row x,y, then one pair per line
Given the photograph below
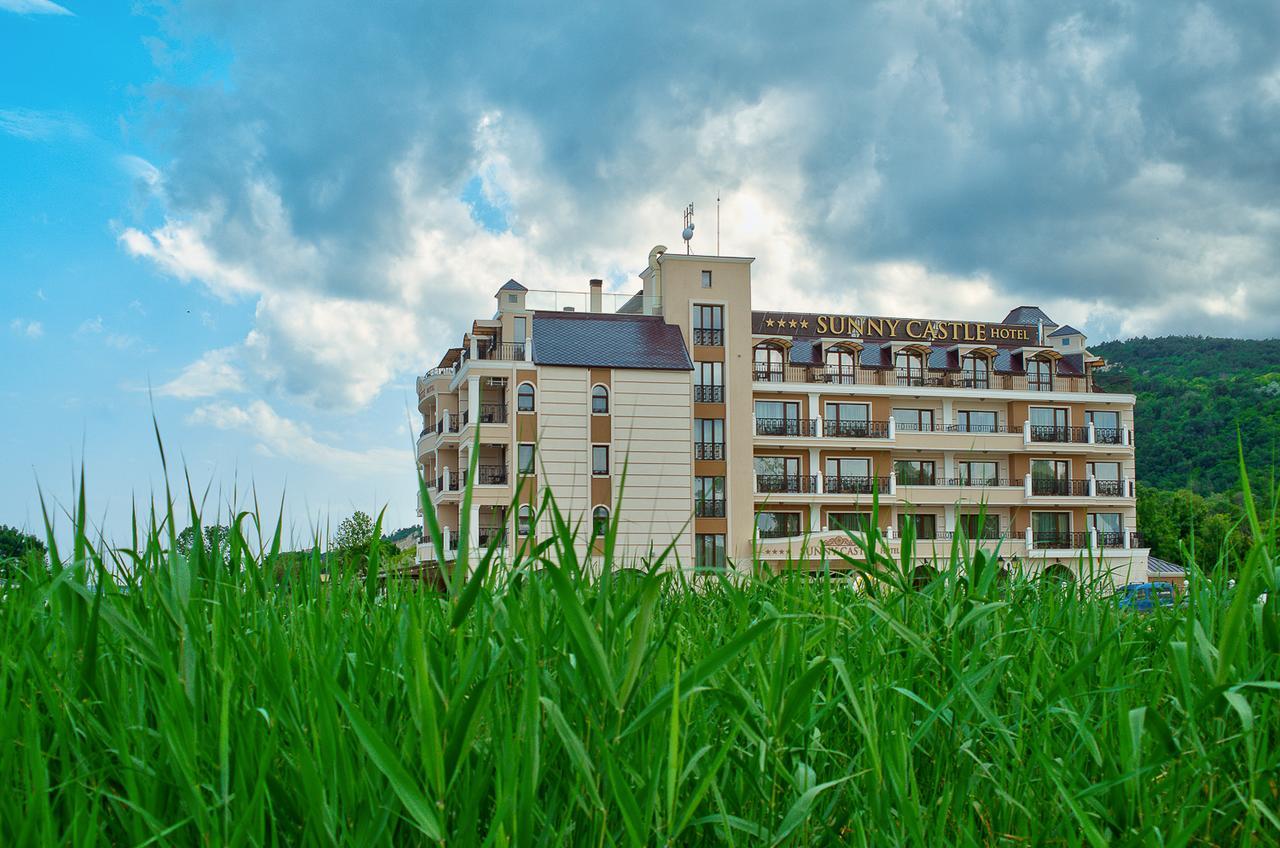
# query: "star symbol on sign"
x,y
804,323
768,322
794,323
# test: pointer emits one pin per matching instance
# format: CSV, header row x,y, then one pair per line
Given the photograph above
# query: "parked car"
x,y
1145,597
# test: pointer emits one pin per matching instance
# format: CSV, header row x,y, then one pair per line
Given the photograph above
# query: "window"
x,y
913,419
599,460
706,279
979,473
840,366
910,368
849,522
1051,477
768,363
989,529
709,382
520,329
774,525
915,472
977,372
708,438
524,398
779,474
708,551
977,421
924,525
600,521
708,497
1066,343
848,475
1039,376
513,298
524,459
708,325
599,400
778,418
524,520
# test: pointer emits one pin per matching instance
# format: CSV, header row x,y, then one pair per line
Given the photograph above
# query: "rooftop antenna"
x,y
717,223
688,227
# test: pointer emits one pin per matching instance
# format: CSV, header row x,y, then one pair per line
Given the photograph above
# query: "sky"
x,y
257,223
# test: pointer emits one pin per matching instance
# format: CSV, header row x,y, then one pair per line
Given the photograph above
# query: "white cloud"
x,y
34,7
212,374
26,328
95,328
278,436
34,125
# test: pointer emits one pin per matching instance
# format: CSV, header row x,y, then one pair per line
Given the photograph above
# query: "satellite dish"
x,y
688,233
688,227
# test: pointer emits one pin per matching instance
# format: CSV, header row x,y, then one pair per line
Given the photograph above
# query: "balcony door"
x,y
768,363
848,475
1051,528
1039,375
840,366
777,418
777,473
1106,425
1048,423
909,368
1109,527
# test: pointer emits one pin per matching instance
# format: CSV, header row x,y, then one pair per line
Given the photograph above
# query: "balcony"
x,y
856,429
708,394
854,485
498,352
708,450
1059,487
835,376
490,475
787,427
788,484
1061,435
449,423
708,337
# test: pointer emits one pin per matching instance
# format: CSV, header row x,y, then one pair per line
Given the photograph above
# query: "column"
x,y
473,399
1093,483
1026,485
1091,433
892,429
1026,432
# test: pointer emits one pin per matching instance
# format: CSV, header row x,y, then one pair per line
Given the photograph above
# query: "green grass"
x,y
209,702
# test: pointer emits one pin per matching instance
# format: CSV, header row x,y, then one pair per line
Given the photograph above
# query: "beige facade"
x,y
746,430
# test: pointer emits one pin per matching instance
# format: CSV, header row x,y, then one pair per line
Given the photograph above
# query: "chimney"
x,y
597,295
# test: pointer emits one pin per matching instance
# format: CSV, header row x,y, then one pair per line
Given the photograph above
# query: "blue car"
x,y
1145,597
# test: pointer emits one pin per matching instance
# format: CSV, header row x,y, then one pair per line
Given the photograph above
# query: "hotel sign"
x,y
820,325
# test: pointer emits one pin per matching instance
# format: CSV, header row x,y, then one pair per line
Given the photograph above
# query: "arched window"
x,y
599,400
910,367
1039,375
977,371
524,398
599,521
768,362
840,365
524,520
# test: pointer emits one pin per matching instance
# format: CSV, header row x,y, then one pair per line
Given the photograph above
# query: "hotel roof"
x,y
512,285
1066,330
608,340
1027,315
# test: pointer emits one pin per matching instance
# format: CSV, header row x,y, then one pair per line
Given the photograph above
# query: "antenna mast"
x,y
688,228
717,223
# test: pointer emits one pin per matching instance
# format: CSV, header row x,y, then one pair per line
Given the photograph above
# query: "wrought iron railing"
x,y
1059,539
709,507
1054,433
1109,488
708,337
843,485
504,351
855,428
786,483
786,426
1107,435
930,378
491,475
708,394
1059,486
978,481
493,413
708,450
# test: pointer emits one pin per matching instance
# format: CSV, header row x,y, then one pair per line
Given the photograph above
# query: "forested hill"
x,y
1192,393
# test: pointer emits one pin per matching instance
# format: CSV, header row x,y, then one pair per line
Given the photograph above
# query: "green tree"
x,y
349,546
214,534
16,545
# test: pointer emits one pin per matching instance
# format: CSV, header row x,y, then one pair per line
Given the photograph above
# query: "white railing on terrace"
x,y
580,301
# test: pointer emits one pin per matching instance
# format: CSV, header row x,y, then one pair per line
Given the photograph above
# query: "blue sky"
x,y
275,215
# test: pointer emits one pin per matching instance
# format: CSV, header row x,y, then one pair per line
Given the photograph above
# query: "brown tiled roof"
x,y
608,340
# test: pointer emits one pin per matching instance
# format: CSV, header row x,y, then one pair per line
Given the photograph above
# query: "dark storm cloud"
x,y
1122,154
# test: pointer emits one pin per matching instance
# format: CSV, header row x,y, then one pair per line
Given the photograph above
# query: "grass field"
x,y
208,703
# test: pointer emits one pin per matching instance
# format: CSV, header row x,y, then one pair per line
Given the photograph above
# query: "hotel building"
x,y
744,430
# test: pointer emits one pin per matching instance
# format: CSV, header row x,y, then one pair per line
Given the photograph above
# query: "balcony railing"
x,y
786,426
708,450
1136,540
1059,486
452,483
491,475
493,413
955,428
448,424
782,532
834,375
1112,488
709,508
499,351
787,483
708,337
1062,540
854,485
856,429
978,482
708,394
486,535
1054,433
1108,435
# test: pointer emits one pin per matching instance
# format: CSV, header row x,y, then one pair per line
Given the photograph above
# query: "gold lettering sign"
x,y
893,329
